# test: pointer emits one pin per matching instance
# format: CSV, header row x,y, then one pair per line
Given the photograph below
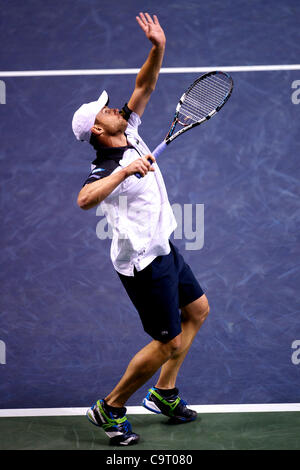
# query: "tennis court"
x,y
211,431
233,184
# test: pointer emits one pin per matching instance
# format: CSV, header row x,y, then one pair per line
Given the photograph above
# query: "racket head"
x,y
204,98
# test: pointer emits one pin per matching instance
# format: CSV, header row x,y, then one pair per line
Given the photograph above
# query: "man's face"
x,y
111,121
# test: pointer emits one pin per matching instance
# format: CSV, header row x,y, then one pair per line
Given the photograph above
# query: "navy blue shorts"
x,y
159,291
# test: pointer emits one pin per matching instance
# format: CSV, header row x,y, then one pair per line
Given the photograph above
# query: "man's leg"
x,y
110,413
156,354
141,368
193,316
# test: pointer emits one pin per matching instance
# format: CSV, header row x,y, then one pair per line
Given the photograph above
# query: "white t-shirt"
x,y
138,211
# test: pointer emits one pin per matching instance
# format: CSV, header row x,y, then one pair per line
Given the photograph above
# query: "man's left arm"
x,y
148,74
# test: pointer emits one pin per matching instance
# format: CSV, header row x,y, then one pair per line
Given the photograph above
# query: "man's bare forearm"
x,y
92,194
148,74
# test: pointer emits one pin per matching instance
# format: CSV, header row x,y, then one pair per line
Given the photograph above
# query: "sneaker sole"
x,y
129,442
149,405
178,420
113,441
90,416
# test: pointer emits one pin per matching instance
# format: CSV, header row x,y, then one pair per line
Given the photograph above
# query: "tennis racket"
x,y
202,100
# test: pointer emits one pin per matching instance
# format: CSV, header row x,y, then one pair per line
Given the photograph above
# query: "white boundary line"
x,y
131,410
237,68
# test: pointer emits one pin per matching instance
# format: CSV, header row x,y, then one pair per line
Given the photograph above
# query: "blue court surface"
x,y
67,328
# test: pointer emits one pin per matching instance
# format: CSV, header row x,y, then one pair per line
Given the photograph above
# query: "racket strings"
x,y
203,98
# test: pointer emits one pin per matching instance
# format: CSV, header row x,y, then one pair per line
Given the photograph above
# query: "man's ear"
x,y
97,130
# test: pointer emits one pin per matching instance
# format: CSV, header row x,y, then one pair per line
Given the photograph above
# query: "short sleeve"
x,y
133,123
96,174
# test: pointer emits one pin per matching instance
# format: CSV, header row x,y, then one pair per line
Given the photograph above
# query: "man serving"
x,y
171,303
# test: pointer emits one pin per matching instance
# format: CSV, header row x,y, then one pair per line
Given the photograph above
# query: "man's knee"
x,y
173,346
205,308
197,311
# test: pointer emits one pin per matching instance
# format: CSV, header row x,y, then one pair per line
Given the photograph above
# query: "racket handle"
x,y
156,152
159,149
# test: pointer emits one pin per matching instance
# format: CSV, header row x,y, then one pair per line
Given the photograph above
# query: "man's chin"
x,y
124,127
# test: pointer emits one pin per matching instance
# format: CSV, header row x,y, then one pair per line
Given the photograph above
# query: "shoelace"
x,y
182,404
126,426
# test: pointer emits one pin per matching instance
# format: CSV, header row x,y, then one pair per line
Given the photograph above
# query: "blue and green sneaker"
x,y
117,427
172,406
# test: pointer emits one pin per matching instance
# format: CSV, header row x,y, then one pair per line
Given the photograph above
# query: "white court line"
x,y
237,68
131,410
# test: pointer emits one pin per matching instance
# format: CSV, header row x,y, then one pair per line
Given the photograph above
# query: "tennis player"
x,y
171,304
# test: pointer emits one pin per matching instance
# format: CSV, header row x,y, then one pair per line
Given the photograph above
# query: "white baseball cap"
x,y
84,117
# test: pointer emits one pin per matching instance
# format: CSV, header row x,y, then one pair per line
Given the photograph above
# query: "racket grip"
x,y
159,149
156,152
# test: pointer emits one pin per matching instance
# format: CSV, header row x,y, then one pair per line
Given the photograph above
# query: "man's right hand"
x,y
141,165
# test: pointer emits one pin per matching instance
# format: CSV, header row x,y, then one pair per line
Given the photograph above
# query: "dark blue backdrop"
x,y
68,327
